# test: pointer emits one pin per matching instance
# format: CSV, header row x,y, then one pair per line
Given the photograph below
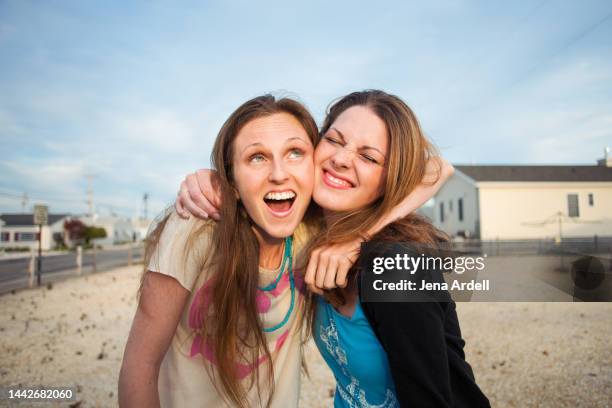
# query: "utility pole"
x,y
24,202
145,200
90,178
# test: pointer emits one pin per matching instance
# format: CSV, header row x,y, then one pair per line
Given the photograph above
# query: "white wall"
x,y
118,229
140,227
46,242
458,186
122,231
507,207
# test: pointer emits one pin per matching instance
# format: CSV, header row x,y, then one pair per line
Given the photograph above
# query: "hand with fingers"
x,y
328,266
199,195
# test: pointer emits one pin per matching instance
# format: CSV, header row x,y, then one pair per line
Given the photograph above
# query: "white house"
x,y
526,202
18,230
140,227
118,230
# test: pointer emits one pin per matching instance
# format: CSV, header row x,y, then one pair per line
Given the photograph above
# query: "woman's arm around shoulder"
x,y
161,304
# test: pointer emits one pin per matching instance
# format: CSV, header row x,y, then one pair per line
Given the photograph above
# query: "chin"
x,y
332,202
281,231
281,228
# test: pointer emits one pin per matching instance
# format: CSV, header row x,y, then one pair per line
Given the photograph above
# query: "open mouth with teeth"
x,y
280,202
336,182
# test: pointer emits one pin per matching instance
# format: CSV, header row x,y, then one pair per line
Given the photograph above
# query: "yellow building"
x,y
508,202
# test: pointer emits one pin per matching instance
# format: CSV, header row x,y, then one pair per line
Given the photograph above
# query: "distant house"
x,y
140,227
118,230
18,230
526,202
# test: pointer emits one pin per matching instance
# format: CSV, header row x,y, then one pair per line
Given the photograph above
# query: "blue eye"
x,y
256,158
296,153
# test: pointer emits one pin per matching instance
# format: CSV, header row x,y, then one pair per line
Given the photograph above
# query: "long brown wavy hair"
x,y
235,330
408,153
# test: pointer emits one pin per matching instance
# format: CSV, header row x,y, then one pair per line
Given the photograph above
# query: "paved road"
x,y
14,272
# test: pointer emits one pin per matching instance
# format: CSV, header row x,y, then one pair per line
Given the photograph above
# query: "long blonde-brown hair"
x,y
408,153
235,331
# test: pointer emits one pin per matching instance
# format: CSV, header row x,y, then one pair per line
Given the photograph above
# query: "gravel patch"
x,y
523,354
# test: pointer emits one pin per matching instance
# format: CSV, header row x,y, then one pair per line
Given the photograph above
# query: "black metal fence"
x,y
592,245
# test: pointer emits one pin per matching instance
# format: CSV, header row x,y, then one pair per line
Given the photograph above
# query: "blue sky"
x,y
135,92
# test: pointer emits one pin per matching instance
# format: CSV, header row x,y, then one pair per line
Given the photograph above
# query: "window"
x,y
591,200
26,236
450,205
441,212
572,205
6,236
460,208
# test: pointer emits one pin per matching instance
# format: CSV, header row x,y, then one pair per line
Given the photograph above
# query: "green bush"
x,y
17,249
94,233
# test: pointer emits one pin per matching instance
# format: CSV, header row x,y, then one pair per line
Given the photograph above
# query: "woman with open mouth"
x,y
216,322
220,309
372,155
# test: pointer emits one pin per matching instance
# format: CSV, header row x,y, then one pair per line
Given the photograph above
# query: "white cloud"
x,y
162,130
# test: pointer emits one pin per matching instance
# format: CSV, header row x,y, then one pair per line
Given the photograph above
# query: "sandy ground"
x,y
523,354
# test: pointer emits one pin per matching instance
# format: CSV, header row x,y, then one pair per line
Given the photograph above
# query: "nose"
x,y
278,173
341,159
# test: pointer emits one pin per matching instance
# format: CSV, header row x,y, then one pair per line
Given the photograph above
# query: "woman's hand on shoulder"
x,y
328,266
199,195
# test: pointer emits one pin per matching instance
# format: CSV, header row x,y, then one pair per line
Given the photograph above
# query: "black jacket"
x,y
425,352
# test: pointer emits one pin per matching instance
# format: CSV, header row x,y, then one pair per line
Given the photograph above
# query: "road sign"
x,y
41,213
41,217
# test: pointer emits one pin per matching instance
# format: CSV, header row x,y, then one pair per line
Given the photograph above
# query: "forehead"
x,y
270,130
361,126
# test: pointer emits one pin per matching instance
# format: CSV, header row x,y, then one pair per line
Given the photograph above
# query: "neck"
x,y
329,216
270,249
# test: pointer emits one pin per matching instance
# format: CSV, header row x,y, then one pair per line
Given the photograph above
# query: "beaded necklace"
x,y
287,258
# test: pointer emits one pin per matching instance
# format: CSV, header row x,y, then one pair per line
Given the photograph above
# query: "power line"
x,y
567,44
474,67
39,198
19,197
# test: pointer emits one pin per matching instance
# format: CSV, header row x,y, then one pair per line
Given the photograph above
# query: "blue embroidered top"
x,y
354,354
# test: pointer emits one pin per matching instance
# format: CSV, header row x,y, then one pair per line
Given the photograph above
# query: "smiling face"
x,y
273,173
350,161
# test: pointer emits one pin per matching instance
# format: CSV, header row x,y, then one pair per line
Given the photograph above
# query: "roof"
x,y
13,220
536,173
